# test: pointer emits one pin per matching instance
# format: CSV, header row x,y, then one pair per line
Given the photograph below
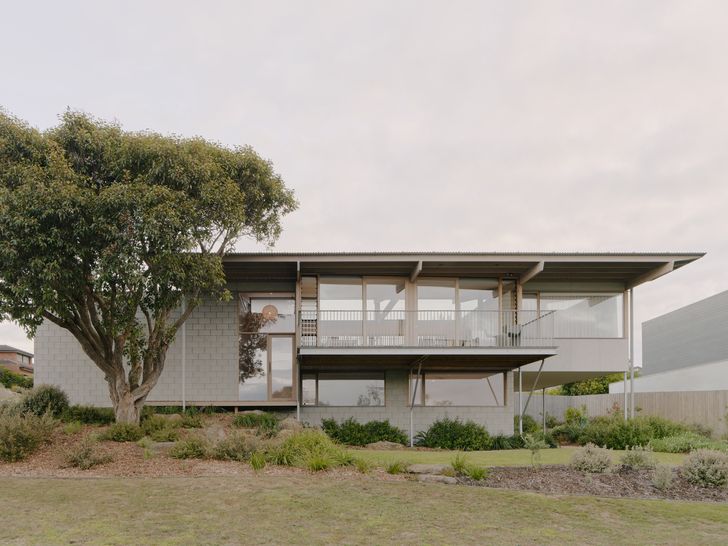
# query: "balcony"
x,y
433,329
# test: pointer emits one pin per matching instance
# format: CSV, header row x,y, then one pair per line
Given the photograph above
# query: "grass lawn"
x,y
511,457
331,509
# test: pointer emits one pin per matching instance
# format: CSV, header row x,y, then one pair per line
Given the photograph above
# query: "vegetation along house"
x,y
409,337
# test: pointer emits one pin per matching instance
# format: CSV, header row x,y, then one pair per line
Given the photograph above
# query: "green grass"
x,y
323,509
511,457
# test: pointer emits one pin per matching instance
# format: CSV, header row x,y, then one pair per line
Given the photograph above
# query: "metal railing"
x,y
426,328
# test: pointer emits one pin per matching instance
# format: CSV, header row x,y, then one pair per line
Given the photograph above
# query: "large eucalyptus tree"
x,y
116,236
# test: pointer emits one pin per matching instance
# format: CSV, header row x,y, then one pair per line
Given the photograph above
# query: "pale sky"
x,y
491,126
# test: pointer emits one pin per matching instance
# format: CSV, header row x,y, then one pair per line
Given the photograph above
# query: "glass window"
x,y
436,302
340,294
582,316
436,295
385,313
281,367
466,389
253,367
350,389
267,315
478,294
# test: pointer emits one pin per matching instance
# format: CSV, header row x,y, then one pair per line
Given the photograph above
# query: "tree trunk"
x,y
126,410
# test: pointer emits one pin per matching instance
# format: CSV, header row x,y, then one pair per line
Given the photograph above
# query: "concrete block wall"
x,y
497,420
211,368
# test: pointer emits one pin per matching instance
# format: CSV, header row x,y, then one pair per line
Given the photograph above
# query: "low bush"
x,y
363,465
74,427
353,433
461,467
266,424
89,415
454,434
535,444
706,468
396,467
123,432
85,455
191,420
310,449
685,443
161,429
10,379
477,473
236,447
501,441
529,424
22,434
638,457
45,399
10,408
146,444
591,459
257,460
194,447
662,477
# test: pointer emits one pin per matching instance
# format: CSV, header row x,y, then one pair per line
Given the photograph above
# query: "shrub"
x,y
161,429
353,433
396,467
310,449
501,441
638,457
706,468
529,424
591,459
85,455
236,447
194,447
191,420
123,432
22,434
454,434
534,444
685,443
89,415
266,424
363,465
10,408
616,433
10,379
577,417
662,477
74,427
477,473
146,444
45,399
257,460
459,462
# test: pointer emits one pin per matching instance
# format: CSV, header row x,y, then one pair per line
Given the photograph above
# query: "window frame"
x,y
421,400
317,390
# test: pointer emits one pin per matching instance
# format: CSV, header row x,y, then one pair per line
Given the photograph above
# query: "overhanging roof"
x,y
628,269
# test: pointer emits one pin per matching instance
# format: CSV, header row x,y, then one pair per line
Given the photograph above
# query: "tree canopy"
x,y
116,236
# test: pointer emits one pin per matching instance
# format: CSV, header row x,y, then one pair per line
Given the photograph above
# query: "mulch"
x,y
621,482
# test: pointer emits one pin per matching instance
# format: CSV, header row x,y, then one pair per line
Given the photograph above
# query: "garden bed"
x,y
620,482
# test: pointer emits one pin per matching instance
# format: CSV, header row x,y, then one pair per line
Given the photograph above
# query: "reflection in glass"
x,y
580,316
252,366
436,325
385,316
281,367
308,389
477,389
350,389
340,312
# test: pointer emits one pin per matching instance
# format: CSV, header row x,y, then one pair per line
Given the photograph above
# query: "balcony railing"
x,y
426,328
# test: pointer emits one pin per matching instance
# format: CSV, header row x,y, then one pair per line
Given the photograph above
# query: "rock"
x,y
289,423
385,445
431,478
214,433
428,468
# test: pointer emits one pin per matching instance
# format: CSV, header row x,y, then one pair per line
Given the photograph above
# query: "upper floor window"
x,y
585,316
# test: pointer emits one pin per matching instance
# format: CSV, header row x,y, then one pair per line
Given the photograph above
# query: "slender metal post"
x,y
520,402
631,352
624,388
184,360
298,396
543,408
533,387
412,406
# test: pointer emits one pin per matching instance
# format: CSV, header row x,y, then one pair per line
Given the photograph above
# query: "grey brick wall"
x,y
497,420
211,370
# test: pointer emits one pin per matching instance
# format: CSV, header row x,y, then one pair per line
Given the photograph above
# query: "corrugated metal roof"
x,y
463,253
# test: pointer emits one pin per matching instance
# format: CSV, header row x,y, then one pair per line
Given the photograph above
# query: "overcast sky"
x,y
493,126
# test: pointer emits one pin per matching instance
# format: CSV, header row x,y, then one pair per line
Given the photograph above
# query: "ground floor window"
x,y
461,389
342,389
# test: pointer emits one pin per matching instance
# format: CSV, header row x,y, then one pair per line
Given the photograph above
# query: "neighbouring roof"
x,y
628,269
9,349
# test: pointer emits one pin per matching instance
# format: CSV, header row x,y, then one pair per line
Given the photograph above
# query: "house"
x,y
685,350
409,337
16,360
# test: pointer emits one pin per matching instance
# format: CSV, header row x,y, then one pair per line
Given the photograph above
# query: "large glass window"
x,y
265,361
340,321
385,312
583,316
340,294
462,389
436,303
343,389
